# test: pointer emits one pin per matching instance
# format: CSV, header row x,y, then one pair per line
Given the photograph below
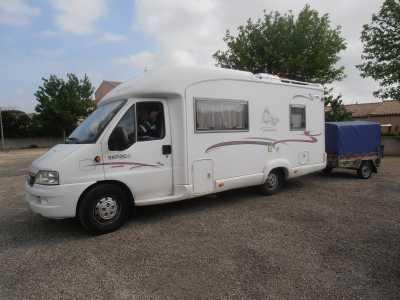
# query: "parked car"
x,y
353,145
179,133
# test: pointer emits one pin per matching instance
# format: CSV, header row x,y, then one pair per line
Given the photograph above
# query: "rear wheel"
x,y
273,183
103,209
365,170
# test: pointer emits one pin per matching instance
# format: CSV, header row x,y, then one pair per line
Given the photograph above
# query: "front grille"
x,y
31,179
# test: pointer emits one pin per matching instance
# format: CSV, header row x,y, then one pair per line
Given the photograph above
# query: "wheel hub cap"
x,y
272,180
365,171
106,208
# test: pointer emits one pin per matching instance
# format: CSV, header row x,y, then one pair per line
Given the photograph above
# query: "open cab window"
x,y
143,121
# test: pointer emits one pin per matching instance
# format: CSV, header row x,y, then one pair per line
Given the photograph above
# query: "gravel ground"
x,y
322,237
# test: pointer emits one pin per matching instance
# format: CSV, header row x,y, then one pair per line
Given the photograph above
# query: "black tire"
x,y
103,209
365,170
327,170
273,183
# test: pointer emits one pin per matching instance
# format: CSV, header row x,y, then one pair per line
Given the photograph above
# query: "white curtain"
x,y
297,117
221,115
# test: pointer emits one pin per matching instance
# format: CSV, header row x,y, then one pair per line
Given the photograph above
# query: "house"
x,y
387,113
104,87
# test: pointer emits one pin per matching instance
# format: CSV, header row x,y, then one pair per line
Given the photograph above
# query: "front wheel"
x,y
103,209
273,183
365,170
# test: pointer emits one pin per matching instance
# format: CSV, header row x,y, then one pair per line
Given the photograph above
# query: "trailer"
x,y
177,133
353,145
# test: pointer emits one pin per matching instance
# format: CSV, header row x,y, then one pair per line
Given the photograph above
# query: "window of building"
x,y
221,115
297,117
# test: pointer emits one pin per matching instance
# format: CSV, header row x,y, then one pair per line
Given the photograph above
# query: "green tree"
x,y
16,124
302,48
334,107
62,103
381,54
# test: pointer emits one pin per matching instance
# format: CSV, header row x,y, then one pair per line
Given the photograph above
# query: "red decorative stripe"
x,y
129,163
266,141
230,143
261,138
311,139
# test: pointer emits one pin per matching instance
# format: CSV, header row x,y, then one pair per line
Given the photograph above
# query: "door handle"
x,y
166,149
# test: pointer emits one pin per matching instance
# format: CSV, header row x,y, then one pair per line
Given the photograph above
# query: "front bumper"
x,y
56,202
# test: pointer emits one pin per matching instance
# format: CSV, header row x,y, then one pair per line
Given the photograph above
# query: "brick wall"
x,y
394,120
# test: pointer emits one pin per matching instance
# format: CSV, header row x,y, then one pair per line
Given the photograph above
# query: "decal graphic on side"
x,y
307,97
118,156
308,138
268,120
132,164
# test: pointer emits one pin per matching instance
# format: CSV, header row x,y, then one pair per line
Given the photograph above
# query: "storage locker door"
x,y
203,178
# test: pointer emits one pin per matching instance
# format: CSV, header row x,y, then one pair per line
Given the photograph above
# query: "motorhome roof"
x,y
172,81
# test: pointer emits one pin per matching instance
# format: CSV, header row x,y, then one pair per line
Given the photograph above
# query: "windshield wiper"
x,y
71,140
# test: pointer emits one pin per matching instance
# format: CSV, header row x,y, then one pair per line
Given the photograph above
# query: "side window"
x,y
124,134
150,121
221,115
297,117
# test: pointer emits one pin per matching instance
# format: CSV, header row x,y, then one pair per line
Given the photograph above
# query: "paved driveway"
x,y
320,238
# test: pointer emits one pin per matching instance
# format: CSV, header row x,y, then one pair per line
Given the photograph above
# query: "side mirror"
x,y
118,140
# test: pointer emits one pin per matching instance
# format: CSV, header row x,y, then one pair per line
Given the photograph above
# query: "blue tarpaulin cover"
x,y
352,137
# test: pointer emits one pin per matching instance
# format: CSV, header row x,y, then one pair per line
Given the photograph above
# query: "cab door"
x,y
138,151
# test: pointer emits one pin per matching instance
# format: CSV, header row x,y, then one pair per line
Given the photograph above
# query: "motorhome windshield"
x,y
90,129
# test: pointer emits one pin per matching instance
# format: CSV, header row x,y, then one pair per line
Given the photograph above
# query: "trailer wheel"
x,y
103,209
365,170
273,183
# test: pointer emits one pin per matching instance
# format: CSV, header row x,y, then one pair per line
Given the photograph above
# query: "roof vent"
x,y
266,76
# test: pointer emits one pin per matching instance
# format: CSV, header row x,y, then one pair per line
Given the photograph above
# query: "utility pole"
x,y
3,147
2,132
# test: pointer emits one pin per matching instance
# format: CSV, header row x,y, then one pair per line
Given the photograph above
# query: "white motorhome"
x,y
179,133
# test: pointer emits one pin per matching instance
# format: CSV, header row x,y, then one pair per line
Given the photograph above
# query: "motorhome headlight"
x,y
47,177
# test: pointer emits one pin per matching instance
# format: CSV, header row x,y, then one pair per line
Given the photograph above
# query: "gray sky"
x,y
188,32
117,40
